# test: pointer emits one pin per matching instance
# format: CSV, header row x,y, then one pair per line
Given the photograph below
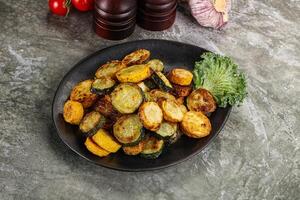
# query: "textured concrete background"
x,y
256,156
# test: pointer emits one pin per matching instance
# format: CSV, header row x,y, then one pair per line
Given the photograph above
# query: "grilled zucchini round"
x,y
155,95
156,65
102,85
134,150
150,115
181,91
143,87
195,124
109,69
73,112
137,57
152,148
201,100
91,123
162,82
180,76
171,111
82,93
105,107
126,98
183,108
128,130
166,130
134,74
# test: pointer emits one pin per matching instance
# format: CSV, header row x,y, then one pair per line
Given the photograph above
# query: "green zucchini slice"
x,y
150,84
128,130
91,122
143,87
152,147
166,130
162,82
156,65
102,85
127,97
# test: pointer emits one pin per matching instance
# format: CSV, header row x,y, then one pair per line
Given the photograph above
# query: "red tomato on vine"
x,y
59,7
83,5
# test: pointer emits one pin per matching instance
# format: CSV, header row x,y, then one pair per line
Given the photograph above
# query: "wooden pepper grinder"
x,y
156,15
115,19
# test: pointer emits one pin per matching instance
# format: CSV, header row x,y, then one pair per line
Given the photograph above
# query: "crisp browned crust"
x,y
105,107
181,91
171,111
201,100
82,93
73,112
151,115
156,94
180,76
134,150
137,57
110,69
195,124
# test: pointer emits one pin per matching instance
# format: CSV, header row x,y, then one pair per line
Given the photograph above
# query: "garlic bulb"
x,y
210,13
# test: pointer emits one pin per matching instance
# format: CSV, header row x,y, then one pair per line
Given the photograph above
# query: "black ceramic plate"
x,y
173,54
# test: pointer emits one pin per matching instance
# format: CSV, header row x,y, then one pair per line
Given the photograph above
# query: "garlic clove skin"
x,y
207,12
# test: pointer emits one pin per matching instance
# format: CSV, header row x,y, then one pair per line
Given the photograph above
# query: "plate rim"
x,y
58,132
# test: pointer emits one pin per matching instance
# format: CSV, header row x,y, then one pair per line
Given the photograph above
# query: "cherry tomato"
x,y
59,7
83,5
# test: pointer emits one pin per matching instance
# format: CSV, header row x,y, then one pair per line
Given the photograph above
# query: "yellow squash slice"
x,y
73,112
94,148
106,141
134,74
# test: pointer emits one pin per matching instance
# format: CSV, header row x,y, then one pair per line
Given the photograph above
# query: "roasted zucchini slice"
x,y
195,124
183,108
156,65
155,95
166,130
109,69
128,130
150,84
137,57
105,107
94,148
152,148
91,123
143,87
134,150
103,85
171,111
150,115
201,100
126,98
174,138
106,141
82,93
181,91
134,74
73,112
162,82
180,76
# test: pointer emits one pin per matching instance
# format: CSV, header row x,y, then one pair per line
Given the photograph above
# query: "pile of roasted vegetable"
x,y
132,104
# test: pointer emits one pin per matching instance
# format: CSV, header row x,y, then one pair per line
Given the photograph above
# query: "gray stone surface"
x,y
256,156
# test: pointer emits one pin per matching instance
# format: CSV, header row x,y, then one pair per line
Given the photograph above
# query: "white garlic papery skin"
x,y
210,13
